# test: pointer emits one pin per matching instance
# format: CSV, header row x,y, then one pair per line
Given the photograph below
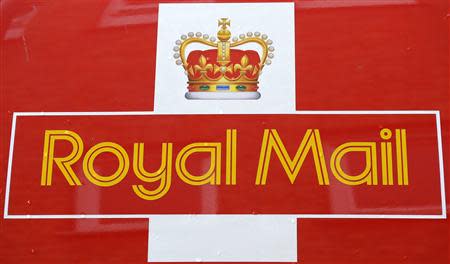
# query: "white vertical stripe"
x,y
441,164
10,159
222,238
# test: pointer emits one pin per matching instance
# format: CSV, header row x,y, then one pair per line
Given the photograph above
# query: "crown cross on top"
x,y
224,22
223,68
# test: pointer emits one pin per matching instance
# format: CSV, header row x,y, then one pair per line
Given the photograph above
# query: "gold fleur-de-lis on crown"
x,y
202,65
244,66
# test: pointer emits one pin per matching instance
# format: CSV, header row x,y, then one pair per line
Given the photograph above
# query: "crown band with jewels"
x,y
223,72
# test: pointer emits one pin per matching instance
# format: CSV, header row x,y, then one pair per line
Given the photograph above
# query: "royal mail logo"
x,y
255,157
209,177
224,72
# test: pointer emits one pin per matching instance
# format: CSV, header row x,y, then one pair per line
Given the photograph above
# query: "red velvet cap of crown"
x,y
236,57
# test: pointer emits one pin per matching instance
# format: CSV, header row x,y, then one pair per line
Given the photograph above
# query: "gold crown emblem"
x,y
223,72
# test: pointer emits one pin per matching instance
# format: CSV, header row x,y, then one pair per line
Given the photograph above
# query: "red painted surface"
x,y
75,56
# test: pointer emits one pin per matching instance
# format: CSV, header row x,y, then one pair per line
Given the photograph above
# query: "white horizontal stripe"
x,y
303,112
305,216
